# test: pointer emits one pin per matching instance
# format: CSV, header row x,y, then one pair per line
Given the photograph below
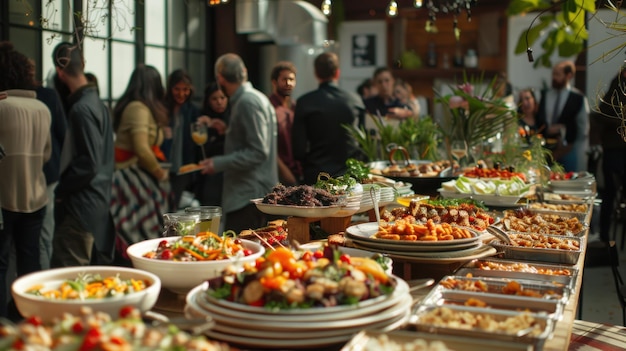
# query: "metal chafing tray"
x,y
562,256
581,216
578,215
372,340
458,321
553,309
540,272
546,290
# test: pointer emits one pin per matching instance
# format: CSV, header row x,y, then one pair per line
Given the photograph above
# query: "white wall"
x,y
351,75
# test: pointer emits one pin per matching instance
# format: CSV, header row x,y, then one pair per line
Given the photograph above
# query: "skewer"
x,y
264,241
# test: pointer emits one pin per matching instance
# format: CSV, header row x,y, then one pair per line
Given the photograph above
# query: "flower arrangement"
x,y
476,112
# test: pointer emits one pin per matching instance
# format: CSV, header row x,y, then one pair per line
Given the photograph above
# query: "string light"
x,y
418,3
214,2
327,7
392,9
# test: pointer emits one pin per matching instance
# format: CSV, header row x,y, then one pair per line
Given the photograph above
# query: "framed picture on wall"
x,y
362,47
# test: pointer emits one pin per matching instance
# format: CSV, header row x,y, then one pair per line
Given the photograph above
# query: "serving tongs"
x,y
499,234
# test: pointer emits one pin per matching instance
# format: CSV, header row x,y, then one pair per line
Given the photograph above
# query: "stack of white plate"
x,y
403,189
352,204
362,237
370,192
387,195
251,326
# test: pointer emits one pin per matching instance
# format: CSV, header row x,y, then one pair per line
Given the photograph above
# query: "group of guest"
x,y
82,182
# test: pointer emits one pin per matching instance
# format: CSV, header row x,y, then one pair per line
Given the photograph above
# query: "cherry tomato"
x,y
18,344
307,256
92,339
318,254
247,252
34,320
126,311
257,303
167,254
78,327
163,244
345,258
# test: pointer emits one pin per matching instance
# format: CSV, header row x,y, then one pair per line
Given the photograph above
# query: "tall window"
x,y
116,35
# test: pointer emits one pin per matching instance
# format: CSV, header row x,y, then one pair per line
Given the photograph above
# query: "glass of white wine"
x,y
200,135
458,149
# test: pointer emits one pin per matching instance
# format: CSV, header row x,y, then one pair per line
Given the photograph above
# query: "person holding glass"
x,y
141,191
183,136
216,107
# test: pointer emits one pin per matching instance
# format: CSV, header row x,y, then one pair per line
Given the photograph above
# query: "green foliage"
x,y
482,116
420,137
563,31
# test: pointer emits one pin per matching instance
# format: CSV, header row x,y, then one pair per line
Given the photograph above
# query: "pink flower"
x,y
457,101
467,88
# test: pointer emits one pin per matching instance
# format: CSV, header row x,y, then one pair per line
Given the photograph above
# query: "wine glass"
x,y
458,149
199,135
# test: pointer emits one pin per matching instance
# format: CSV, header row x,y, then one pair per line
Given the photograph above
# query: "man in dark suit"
x,y
320,142
566,111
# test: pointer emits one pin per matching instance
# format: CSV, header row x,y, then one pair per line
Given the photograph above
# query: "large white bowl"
x,y
180,277
31,305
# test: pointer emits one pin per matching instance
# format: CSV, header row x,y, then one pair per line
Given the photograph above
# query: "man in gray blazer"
x,y
249,161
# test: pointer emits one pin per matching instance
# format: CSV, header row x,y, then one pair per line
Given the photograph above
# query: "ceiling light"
x,y
392,9
326,7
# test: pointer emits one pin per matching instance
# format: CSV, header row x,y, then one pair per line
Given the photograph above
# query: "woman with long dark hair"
x,y
179,145
216,107
141,191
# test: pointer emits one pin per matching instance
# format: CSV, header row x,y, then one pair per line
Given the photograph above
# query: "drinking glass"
x,y
180,223
209,218
458,149
200,135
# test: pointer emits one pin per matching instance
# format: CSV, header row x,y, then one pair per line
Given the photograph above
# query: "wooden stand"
x,y
299,226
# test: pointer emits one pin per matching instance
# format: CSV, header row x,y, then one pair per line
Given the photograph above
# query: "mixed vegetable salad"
x,y
204,246
89,287
285,279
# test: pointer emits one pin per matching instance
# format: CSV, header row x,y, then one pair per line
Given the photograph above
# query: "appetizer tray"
x,y
370,340
525,328
439,297
542,254
513,288
526,270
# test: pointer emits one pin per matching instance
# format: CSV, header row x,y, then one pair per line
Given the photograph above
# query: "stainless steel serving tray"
x,y
563,214
360,341
553,309
548,290
473,268
561,256
420,322
581,216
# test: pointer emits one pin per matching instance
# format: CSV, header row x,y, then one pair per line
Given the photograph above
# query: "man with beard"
x,y
249,160
566,111
283,78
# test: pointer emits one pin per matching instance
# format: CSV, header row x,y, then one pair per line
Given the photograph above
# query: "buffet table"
x,y
173,305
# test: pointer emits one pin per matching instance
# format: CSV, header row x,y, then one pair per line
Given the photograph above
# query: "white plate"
x,y
401,288
400,247
198,298
309,343
431,254
480,252
365,231
296,211
272,325
488,199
